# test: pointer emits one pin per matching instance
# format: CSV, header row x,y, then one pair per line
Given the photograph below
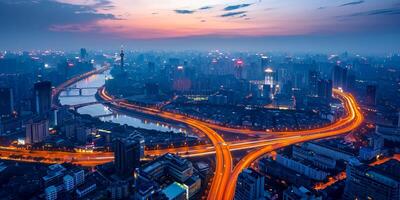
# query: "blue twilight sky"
x,y
370,26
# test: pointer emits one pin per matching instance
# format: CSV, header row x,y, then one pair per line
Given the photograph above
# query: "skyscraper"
x,y
6,102
339,77
239,69
42,97
83,53
373,182
324,89
36,131
250,185
371,95
313,78
127,155
151,68
263,65
269,77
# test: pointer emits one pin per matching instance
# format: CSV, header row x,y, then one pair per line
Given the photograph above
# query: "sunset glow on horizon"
x,y
144,19
125,21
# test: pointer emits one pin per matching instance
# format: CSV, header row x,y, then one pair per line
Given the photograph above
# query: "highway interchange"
x,y
225,175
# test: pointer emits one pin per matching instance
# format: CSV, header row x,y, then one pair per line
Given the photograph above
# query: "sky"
x,y
371,26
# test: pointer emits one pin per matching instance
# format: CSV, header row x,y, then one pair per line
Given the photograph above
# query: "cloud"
x,y
231,14
321,8
42,15
387,12
205,8
103,4
75,28
234,7
352,3
184,11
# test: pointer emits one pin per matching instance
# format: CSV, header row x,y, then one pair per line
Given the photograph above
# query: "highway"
x,y
224,181
352,121
226,185
222,151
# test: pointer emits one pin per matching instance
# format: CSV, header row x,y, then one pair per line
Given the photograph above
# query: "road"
x,y
226,185
224,181
222,151
350,122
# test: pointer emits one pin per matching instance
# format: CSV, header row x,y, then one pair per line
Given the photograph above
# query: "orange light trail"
x,y
224,181
352,121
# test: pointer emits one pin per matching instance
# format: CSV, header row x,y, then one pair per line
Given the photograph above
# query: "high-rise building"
x,y
6,102
36,131
267,92
250,185
269,77
371,95
140,139
351,82
127,155
42,97
324,89
313,78
372,182
83,53
265,61
239,69
339,77
151,68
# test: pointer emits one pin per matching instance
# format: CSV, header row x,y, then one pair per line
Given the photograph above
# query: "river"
x,y
72,96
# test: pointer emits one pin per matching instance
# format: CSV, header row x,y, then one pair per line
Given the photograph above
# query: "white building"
x,y
36,131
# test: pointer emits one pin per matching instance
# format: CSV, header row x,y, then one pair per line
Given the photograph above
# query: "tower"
x,y
122,58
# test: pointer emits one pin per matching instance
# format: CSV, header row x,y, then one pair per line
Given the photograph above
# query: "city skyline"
x,y
190,100
328,26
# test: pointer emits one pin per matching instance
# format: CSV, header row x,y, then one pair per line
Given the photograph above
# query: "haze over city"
x,y
200,99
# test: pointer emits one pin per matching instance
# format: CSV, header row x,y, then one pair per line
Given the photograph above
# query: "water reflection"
x,y
71,97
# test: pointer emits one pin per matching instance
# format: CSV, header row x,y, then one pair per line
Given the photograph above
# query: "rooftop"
x,y
174,190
